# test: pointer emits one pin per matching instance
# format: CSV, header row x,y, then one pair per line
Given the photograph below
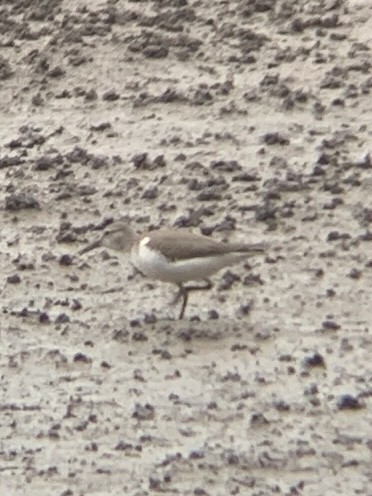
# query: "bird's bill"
x,y
92,246
258,248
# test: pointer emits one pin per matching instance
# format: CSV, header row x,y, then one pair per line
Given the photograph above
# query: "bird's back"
x,y
181,245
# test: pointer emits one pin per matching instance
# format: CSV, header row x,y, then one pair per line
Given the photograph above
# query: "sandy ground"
x,y
244,120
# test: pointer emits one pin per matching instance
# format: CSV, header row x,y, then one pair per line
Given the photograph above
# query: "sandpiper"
x,y
174,256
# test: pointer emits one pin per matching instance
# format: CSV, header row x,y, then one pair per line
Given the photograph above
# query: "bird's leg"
x,y
184,291
178,295
136,271
185,294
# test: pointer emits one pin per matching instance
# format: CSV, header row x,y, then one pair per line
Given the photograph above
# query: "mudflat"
x,y
243,120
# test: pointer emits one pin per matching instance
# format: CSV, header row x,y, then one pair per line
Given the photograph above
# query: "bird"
x,y
174,255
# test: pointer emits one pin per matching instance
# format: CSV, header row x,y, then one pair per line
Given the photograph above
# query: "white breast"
x,y
154,265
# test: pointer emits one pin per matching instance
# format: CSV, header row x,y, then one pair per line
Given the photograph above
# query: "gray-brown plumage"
x,y
183,245
175,256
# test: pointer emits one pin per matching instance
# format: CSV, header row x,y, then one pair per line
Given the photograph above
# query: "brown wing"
x,y
180,245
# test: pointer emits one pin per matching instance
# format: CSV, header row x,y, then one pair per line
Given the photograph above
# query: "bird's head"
x,y
117,236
